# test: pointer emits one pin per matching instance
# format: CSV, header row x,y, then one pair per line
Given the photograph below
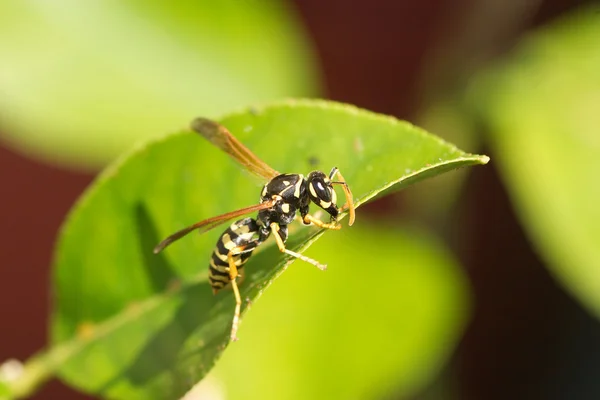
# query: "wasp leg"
x,y
275,229
233,275
308,219
349,199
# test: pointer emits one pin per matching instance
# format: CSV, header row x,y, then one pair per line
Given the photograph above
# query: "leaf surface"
x,y
379,323
148,326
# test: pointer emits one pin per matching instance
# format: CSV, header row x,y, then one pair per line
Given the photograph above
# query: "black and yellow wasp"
x,y
281,197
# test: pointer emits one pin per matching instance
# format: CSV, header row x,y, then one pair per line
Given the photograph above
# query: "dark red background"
x,y
528,339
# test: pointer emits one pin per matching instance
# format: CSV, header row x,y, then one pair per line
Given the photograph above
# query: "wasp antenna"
x,y
349,198
334,171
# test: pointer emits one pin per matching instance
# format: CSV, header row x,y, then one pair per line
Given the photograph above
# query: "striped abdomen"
x,y
241,233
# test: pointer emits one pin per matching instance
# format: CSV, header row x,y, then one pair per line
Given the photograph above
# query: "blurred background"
x,y
518,80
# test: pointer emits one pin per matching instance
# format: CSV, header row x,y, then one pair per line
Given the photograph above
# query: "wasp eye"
x,y
319,190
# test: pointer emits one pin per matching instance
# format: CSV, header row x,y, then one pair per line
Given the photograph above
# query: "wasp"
x,y
281,198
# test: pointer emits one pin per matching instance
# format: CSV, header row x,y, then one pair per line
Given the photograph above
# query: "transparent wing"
x,y
210,223
218,135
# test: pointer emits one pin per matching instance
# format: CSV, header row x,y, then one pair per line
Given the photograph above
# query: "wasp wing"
x,y
210,223
218,135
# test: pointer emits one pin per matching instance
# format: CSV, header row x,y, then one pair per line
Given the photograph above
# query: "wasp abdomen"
x,y
241,237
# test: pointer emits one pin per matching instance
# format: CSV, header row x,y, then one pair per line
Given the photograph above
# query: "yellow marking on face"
x,y
325,204
312,190
233,227
285,208
333,196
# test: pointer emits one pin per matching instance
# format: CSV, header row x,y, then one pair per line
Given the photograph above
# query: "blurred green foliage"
x,y
80,82
164,328
435,200
542,107
379,323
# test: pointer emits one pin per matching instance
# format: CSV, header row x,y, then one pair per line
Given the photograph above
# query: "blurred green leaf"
x,y
543,110
80,82
4,391
435,199
377,324
149,326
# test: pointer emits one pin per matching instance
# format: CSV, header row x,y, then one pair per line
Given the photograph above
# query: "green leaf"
x,y
94,77
435,199
4,391
542,107
378,323
148,326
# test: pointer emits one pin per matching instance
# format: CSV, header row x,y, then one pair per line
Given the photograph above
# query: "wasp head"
x,y
321,192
